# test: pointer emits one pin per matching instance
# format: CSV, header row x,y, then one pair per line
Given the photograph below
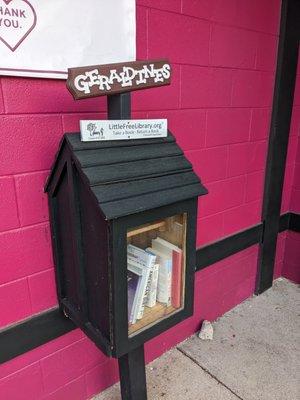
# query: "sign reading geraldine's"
x,y
101,80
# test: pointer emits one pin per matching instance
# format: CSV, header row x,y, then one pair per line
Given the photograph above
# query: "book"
x,y
146,261
164,283
153,278
133,284
176,253
141,256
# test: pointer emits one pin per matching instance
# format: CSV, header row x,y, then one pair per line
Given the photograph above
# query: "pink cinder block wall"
x,y
290,263
218,106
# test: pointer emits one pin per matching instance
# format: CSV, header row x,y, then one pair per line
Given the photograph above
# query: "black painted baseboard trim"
x,y
228,246
24,336
294,223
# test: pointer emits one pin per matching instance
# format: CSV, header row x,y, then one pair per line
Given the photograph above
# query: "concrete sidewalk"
x,y
255,355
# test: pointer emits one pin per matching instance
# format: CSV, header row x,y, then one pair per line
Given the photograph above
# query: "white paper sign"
x,y
123,129
43,38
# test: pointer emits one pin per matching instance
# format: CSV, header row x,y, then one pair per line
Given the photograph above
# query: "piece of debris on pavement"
x,y
206,331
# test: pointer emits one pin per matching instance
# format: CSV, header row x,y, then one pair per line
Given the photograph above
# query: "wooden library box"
x,y
123,220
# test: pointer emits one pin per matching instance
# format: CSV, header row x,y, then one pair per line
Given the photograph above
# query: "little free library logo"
x,y
17,19
100,80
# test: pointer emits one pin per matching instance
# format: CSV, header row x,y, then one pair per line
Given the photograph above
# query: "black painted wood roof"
x,y
131,176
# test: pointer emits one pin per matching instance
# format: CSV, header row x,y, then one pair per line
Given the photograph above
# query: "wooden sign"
x,y
103,80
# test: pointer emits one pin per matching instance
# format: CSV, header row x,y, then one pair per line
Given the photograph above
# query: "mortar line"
x,y
208,372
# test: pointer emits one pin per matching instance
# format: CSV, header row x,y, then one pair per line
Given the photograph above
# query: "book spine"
x,y
132,318
151,300
146,294
141,294
176,278
141,256
164,283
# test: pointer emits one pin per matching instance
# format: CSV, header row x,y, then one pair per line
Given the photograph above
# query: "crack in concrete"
x,y
208,372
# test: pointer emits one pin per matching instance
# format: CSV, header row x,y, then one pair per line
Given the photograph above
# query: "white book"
x,y
140,293
146,294
151,299
141,256
135,273
146,260
165,246
164,284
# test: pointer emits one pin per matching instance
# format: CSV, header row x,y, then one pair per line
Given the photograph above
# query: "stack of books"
x,y
154,275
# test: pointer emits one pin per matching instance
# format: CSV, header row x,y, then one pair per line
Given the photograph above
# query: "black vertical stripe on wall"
x,y
278,140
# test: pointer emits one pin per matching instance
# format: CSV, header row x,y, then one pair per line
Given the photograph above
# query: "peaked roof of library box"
x,y
130,176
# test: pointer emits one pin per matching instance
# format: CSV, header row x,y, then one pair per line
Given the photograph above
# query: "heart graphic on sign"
x,y
17,20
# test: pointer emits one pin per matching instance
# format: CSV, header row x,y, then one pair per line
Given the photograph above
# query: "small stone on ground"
x,y
206,331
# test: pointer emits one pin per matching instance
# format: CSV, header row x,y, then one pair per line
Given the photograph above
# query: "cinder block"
x,y
161,98
198,8
238,294
225,11
242,217
14,302
209,164
101,377
291,262
295,200
38,353
63,366
292,150
44,96
142,33
266,52
259,15
1,100
260,123
30,143
8,205
221,197
170,33
188,126
252,88
232,47
42,290
32,201
74,390
246,157
255,186
296,181
278,266
169,5
228,125
298,151
295,121
280,247
69,363
25,252
209,229
23,385
205,87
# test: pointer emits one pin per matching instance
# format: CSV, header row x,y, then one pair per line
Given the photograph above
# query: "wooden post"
x,y
119,106
131,365
133,375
